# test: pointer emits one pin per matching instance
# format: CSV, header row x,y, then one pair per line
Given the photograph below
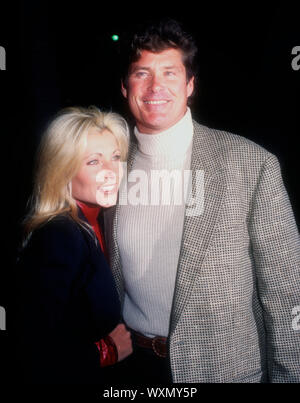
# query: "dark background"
x,y
61,54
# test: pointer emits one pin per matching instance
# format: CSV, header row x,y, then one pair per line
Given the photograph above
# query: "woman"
x,y
70,312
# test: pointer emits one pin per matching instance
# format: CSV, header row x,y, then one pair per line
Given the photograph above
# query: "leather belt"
x,y
157,344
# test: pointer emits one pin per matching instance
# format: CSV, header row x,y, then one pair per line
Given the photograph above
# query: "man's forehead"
x,y
167,58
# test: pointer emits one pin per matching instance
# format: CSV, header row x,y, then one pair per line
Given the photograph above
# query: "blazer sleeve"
x,y
51,271
276,249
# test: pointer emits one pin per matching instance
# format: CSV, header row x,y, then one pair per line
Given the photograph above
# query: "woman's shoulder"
x,y
60,234
59,226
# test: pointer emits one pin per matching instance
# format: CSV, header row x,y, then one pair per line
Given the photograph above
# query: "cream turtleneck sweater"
x,y
150,227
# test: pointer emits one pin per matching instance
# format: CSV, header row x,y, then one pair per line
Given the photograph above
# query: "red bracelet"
x,y
108,351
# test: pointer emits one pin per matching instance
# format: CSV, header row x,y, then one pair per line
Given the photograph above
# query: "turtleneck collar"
x,y
90,212
172,142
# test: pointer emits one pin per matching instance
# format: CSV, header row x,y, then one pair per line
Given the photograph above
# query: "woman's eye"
x,y
117,157
93,162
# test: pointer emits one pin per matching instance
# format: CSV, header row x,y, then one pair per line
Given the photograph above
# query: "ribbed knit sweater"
x,y
150,232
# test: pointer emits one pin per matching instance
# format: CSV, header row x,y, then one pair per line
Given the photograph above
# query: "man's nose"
x,y
156,83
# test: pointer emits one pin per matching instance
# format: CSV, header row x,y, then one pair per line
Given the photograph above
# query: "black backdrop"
x,y
61,53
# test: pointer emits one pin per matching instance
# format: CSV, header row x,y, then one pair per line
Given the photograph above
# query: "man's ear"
x,y
190,86
123,90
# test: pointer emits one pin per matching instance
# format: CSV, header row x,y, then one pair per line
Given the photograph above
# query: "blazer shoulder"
x,y
234,146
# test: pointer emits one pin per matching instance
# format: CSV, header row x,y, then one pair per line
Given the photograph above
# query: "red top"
x,y
91,213
106,346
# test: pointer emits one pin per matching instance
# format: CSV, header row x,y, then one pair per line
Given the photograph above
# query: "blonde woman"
x,y
69,319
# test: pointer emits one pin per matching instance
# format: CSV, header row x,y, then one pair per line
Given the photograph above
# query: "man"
x,y
209,295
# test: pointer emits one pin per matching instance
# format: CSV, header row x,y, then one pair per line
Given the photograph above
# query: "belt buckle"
x,y
154,340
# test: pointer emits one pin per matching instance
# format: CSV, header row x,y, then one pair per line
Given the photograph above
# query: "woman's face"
x,y
99,176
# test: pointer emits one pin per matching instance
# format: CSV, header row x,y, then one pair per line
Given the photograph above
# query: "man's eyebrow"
x,y
137,67
140,67
171,66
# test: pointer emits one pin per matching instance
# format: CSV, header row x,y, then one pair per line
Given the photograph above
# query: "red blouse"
x,y
91,213
106,346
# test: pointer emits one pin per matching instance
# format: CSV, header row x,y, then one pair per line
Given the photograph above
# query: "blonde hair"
x,y
59,158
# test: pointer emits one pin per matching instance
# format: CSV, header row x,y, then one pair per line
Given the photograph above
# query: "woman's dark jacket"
x,y
67,301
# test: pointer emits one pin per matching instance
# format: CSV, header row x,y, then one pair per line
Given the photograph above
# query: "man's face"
x,y
158,90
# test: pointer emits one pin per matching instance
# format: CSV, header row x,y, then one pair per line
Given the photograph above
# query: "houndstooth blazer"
x,y
238,276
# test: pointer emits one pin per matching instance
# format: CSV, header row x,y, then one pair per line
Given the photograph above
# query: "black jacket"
x,y
67,301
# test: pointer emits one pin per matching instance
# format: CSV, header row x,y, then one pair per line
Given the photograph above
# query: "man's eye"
x,y
170,73
141,74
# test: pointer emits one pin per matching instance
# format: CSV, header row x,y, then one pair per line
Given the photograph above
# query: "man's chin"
x,y
155,123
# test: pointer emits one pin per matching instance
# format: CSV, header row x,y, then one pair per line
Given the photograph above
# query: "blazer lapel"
x,y
198,229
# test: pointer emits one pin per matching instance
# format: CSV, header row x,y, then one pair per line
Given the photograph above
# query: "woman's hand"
x,y
122,339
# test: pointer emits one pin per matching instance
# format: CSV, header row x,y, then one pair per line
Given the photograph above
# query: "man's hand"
x,y
122,339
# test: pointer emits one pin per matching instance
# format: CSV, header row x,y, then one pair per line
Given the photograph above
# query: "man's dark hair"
x,y
157,37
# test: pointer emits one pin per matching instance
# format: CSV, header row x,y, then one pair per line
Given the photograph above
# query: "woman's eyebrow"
x,y
91,154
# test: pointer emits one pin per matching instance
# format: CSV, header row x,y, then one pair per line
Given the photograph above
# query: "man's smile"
x,y
156,102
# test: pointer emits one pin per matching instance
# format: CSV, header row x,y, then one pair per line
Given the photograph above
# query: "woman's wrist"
x,y
108,351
